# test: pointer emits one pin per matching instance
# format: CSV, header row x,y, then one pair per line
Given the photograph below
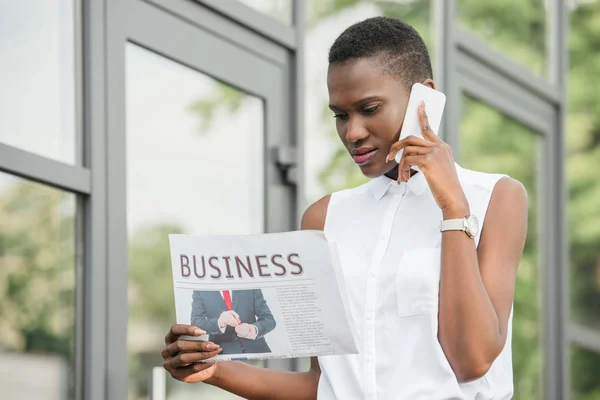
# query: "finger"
x,y
403,170
416,150
407,141
182,373
190,345
416,161
179,330
426,130
235,314
185,359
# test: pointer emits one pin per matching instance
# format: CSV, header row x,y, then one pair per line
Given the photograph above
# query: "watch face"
x,y
473,226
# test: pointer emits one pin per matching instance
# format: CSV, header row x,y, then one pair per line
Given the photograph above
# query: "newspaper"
x,y
279,295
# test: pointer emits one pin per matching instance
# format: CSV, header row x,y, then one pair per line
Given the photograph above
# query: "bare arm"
x,y
255,383
244,380
477,286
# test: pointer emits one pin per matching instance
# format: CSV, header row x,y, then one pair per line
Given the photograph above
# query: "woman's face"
x,y
369,108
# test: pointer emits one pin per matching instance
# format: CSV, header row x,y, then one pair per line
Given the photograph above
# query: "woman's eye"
x,y
371,109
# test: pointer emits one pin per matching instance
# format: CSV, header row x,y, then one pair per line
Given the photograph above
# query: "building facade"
x,y
126,120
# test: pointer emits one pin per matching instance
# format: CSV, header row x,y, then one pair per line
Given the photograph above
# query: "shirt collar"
x,y
417,184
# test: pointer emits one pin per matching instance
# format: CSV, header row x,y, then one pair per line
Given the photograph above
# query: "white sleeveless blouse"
x,y
389,243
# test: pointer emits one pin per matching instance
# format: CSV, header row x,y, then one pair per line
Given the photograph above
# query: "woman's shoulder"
x,y
316,214
484,180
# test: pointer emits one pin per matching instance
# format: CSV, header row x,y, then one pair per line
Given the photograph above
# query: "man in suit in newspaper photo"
x,y
237,320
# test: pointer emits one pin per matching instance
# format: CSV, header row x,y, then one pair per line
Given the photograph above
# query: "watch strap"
x,y
453,225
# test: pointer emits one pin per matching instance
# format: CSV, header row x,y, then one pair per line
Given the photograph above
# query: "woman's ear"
x,y
429,82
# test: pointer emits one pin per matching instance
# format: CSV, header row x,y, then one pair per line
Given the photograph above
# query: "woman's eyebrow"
x,y
366,100
333,107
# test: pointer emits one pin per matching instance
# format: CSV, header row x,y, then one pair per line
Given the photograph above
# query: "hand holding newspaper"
x,y
278,295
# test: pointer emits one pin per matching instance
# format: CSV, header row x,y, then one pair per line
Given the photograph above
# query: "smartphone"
x,y
434,107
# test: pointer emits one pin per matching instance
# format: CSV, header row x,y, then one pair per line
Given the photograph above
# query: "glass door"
x,y
204,115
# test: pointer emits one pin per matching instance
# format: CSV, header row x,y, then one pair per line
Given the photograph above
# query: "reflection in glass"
x,y
37,284
278,9
492,142
583,166
329,168
194,165
585,384
37,65
516,28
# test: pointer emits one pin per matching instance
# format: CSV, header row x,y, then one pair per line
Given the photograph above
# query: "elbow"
x,y
470,367
474,361
472,371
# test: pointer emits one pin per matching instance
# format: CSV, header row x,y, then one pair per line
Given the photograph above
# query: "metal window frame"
x,y
469,66
44,170
261,23
217,24
95,211
584,337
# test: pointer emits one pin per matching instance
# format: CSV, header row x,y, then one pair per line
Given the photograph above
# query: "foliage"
x,y
37,271
149,257
225,98
515,152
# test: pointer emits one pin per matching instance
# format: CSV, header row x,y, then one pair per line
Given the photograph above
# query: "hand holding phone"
x,y
434,104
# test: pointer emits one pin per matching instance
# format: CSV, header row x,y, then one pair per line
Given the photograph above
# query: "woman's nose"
x,y
355,131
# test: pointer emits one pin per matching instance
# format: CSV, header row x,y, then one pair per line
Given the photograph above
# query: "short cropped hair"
x,y
394,44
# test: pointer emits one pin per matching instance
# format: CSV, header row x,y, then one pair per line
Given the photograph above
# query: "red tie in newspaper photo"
x,y
229,304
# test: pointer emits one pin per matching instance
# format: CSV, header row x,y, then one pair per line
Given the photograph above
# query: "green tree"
x,y
37,271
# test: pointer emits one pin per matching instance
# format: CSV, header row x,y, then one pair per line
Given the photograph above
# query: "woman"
x,y
431,307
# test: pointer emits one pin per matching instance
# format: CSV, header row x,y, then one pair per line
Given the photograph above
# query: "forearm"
x,y
255,383
469,330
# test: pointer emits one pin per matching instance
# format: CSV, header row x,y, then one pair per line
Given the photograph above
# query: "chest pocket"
x,y
418,282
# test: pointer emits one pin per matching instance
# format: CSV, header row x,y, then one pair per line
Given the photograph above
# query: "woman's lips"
x,y
363,156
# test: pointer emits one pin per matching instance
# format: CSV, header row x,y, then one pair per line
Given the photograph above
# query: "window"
x,y
195,165
37,64
37,290
492,142
516,28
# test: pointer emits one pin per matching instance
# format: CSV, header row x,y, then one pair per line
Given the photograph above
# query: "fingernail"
x,y
387,159
199,332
